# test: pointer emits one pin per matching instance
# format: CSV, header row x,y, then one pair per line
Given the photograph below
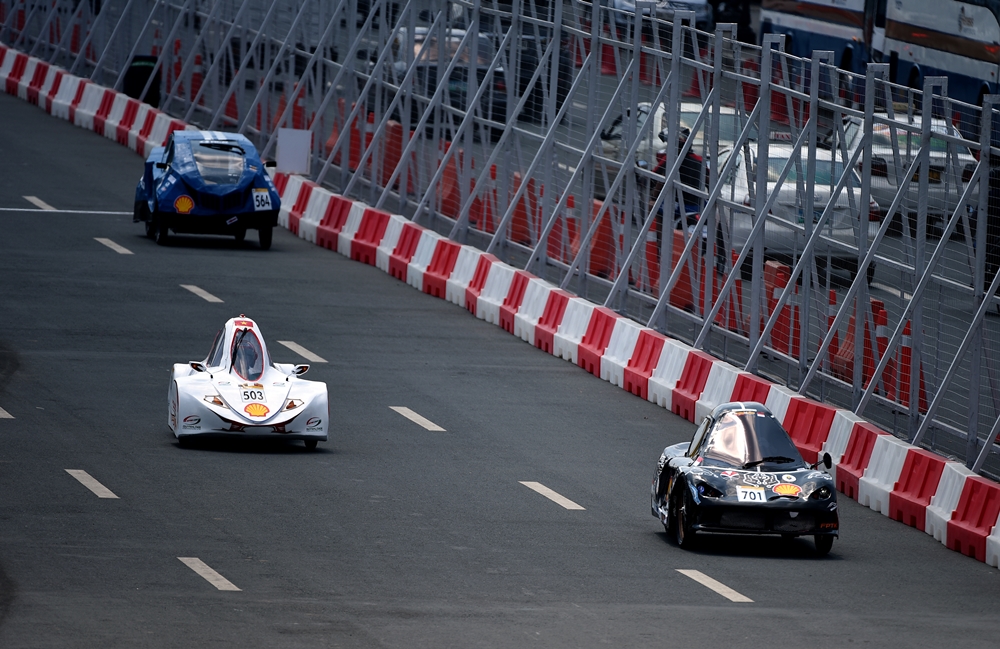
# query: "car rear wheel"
x,y
311,444
161,232
824,543
683,532
264,236
240,235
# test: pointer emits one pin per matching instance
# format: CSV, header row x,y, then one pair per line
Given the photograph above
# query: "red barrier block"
x,y
595,341
478,282
751,388
644,359
405,248
127,121
515,295
147,128
974,517
548,324
37,79
856,456
691,384
16,72
280,178
369,235
917,484
440,269
301,202
45,101
338,209
77,98
808,424
101,116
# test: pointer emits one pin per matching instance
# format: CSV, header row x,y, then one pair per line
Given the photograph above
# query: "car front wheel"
x,y
161,231
264,236
311,444
824,543
683,531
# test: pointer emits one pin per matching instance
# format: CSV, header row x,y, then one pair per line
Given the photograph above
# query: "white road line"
x,y
200,292
551,495
210,575
892,289
302,351
51,209
87,481
121,250
718,587
37,202
5,415
417,419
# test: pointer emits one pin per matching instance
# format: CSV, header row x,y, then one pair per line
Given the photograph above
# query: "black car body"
x,y
741,474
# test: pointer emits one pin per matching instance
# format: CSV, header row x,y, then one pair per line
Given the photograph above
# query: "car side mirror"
x,y
198,367
271,164
826,461
162,165
299,370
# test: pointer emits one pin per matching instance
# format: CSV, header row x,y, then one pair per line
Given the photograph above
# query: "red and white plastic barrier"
x,y
616,357
669,367
882,472
576,318
536,297
945,500
493,293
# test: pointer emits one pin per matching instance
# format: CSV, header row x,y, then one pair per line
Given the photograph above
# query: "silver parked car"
x,y
784,232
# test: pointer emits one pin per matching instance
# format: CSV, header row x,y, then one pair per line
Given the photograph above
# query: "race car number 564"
x,y
261,199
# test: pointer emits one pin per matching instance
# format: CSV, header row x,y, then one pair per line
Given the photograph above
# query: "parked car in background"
x,y
951,167
784,231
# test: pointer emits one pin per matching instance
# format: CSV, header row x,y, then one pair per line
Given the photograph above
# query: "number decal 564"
x,y
261,199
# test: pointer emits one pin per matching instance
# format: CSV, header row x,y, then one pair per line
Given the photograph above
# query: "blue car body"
x,y
206,182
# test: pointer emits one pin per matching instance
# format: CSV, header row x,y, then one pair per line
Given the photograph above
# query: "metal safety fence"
x,y
810,225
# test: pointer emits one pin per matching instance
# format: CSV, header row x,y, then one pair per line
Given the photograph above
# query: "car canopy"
x,y
213,162
746,438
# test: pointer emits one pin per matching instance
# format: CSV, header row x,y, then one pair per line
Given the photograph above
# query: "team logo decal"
x,y
760,479
785,489
788,477
257,410
816,474
244,323
729,474
192,420
252,386
314,421
184,204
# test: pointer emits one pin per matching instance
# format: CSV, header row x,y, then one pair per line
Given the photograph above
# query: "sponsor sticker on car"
x,y
257,410
750,494
786,489
261,199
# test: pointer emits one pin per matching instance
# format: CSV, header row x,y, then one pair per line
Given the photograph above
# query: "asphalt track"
x,y
390,535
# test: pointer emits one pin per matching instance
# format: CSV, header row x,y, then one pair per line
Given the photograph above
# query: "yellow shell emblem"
x,y
184,204
256,410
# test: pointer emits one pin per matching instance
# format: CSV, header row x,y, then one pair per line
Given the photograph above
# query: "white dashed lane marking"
x,y
121,250
551,495
87,481
712,584
200,292
209,575
417,419
39,203
302,351
5,415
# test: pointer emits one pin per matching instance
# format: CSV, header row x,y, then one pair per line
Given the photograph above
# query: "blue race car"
x,y
206,182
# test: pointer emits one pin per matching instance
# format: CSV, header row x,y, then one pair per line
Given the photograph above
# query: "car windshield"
x,y
748,437
215,355
248,357
219,164
828,173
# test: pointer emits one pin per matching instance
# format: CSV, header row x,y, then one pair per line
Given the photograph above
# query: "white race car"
x,y
237,390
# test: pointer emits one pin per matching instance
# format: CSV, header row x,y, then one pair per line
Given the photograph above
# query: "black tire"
x,y
311,444
240,235
142,213
683,532
264,235
184,442
161,231
824,543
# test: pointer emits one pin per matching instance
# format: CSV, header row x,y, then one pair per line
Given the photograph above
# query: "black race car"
x,y
741,474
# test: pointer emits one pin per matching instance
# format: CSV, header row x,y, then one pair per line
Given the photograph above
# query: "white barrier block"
x,y
883,470
668,371
839,437
7,63
621,346
572,329
462,274
494,292
392,231
140,120
319,200
422,258
29,74
945,500
718,389
993,546
778,398
288,197
89,104
65,96
45,92
115,116
536,296
346,235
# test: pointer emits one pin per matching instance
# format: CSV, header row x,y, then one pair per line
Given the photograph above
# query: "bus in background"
x,y
917,38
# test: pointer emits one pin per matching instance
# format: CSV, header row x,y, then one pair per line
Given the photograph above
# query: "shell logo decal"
x,y
184,204
786,489
257,410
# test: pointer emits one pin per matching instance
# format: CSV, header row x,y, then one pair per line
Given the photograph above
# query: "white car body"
x,y
237,391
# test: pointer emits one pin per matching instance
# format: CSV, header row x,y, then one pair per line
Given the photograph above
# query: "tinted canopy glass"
x,y
248,357
219,163
746,437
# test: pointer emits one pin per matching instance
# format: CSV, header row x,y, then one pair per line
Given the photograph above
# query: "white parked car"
x,y
784,232
237,391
